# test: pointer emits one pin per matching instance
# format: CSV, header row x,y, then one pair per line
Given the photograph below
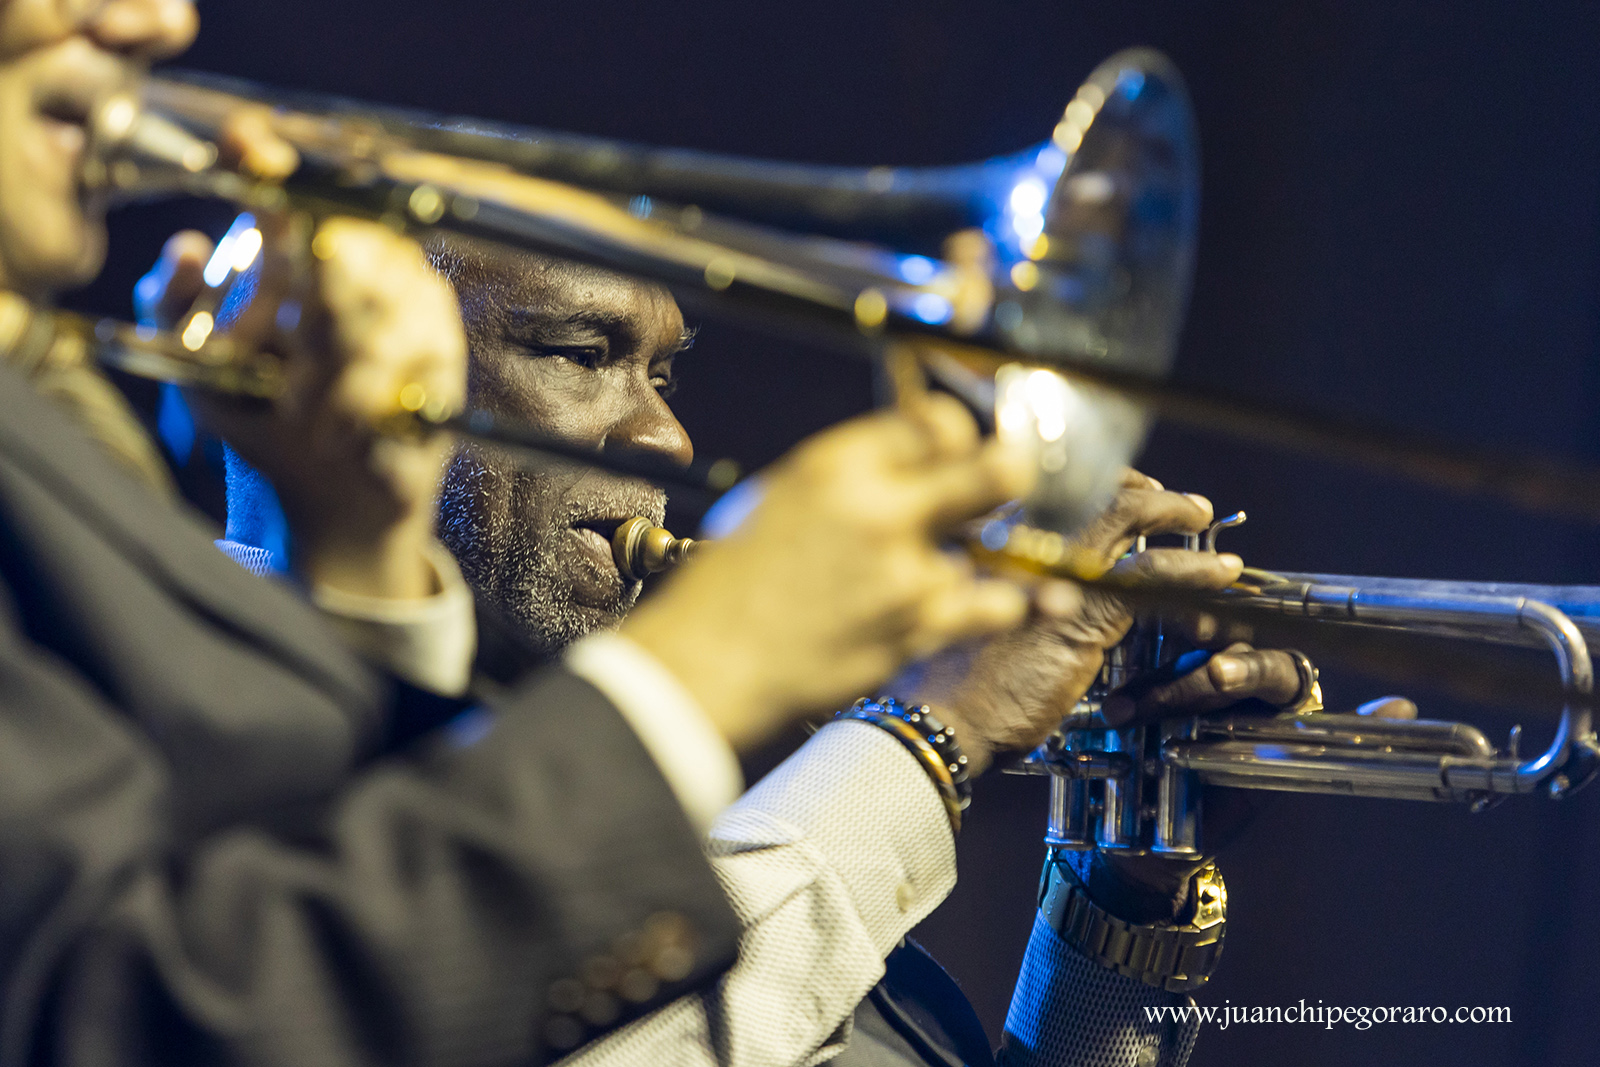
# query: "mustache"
x,y
573,493
598,496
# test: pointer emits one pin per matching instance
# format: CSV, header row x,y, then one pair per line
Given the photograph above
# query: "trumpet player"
x,y
825,880
228,837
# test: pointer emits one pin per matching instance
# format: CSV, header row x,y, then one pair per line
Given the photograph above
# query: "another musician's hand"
x,y
837,577
356,322
1008,693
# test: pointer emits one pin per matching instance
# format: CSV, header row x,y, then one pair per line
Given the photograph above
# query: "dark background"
x,y
1399,221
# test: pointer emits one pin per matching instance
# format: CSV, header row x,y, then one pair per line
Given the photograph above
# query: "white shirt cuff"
x,y
430,642
870,809
693,756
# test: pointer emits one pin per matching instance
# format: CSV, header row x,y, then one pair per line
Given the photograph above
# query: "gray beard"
x,y
507,526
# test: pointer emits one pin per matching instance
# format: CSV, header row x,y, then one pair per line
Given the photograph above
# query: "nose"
x,y
149,28
649,425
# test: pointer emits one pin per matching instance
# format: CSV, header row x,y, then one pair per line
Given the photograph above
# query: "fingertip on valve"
x,y
1389,708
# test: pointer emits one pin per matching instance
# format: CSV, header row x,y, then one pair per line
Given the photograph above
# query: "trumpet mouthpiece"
x,y
642,548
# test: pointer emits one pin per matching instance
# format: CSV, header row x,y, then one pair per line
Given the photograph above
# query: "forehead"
x,y
497,287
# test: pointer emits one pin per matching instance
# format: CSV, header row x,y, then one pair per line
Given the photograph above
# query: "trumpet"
x,y
1139,790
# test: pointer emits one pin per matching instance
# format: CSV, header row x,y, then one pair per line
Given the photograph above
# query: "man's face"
x,y
585,354
57,58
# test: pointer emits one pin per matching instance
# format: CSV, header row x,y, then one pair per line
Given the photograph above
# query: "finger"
x,y
164,295
249,142
1058,599
956,491
947,428
1389,708
278,278
153,29
969,609
1140,512
441,367
1148,512
408,328
1179,568
1226,678
1135,479
1242,673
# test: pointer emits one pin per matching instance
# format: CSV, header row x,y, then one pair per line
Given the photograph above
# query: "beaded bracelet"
x,y
930,741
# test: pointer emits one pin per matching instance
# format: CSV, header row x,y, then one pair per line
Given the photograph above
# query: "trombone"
x,y
1077,250
1046,286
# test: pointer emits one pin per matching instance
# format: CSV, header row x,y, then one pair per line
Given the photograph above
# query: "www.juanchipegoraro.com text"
x,y
1327,1015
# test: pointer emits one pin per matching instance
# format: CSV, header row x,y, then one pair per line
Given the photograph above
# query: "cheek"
x,y
555,396
45,239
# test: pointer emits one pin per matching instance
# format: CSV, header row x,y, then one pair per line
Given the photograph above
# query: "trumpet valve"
x,y
641,548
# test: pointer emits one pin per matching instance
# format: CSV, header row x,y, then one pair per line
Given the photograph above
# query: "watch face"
x,y
1211,898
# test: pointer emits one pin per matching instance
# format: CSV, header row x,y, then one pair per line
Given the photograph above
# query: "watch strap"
x,y
1176,958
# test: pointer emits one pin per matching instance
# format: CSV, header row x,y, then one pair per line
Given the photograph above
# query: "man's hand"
x,y
1009,693
837,578
1154,888
369,319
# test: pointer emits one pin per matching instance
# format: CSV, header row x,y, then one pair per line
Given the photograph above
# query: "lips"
x,y
66,119
70,104
595,534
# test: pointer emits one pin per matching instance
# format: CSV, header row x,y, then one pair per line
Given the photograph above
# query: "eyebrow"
x,y
600,321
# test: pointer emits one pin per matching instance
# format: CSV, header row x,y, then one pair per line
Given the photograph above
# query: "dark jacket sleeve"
x,y
504,890
215,848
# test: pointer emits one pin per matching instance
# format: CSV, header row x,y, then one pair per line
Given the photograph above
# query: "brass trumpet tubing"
x,y
1417,735
1154,804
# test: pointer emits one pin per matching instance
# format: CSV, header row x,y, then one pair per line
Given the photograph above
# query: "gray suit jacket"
x,y
223,839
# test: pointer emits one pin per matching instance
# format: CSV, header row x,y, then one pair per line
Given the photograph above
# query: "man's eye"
x,y
589,358
666,385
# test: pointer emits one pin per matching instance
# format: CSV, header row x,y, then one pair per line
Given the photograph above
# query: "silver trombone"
x,y
1074,251
1071,300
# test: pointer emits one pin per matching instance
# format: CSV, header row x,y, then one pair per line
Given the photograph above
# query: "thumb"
x,y
164,295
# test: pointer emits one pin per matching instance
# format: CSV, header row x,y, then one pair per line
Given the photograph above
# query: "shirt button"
x,y
905,896
1148,1056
